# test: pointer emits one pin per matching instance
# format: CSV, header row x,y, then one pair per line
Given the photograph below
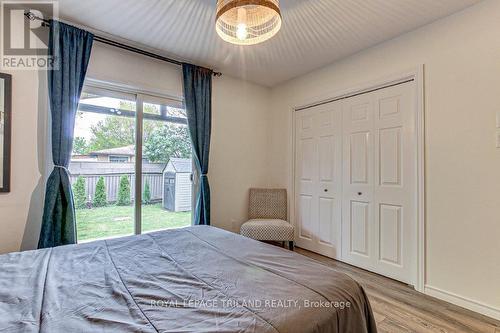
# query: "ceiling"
x,y
314,33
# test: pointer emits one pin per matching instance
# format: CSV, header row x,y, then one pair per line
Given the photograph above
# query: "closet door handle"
x,y
326,190
360,193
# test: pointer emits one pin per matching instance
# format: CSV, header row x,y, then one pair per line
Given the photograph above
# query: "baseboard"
x,y
464,302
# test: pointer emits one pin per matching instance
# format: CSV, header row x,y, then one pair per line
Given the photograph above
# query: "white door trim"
x,y
417,75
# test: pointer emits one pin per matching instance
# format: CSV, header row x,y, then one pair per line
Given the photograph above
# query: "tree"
x,y
162,140
80,146
112,132
79,193
167,141
100,199
146,196
123,192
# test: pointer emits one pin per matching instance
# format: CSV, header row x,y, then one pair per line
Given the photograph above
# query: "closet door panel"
x,y
379,182
305,178
318,179
358,178
395,188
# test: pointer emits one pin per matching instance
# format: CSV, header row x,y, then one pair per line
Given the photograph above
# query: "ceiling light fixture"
x,y
247,22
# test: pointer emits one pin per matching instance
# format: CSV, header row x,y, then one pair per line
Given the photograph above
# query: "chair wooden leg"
x,y
290,245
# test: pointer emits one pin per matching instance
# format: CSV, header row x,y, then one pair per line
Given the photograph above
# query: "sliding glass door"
x,y
166,166
131,164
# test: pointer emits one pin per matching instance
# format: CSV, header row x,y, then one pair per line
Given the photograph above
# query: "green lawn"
x,y
115,221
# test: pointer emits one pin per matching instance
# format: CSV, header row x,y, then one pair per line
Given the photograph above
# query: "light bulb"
x,y
242,31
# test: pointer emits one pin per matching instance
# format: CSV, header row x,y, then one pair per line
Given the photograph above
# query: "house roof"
x,y
181,165
124,151
77,167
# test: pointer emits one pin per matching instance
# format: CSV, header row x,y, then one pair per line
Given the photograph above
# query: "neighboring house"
x,y
177,185
115,155
83,158
93,167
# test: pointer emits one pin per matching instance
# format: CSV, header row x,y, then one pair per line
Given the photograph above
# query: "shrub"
x,y
79,193
100,199
146,196
123,192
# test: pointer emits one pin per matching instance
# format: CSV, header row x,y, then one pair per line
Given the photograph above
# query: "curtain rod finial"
x,y
29,15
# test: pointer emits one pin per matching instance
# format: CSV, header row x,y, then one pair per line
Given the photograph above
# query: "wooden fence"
x,y
112,182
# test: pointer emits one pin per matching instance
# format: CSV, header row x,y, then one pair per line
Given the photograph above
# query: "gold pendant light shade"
x,y
247,22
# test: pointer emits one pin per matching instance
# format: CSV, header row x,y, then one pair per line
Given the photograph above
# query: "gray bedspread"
x,y
197,279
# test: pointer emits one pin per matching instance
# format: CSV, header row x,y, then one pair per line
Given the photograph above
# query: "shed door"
x,y
169,192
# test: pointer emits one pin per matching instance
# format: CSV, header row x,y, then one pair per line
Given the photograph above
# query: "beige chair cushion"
x,y
267,229
265,203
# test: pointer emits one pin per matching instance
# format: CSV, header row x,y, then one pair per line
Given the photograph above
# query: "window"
x,y
105,170
118,159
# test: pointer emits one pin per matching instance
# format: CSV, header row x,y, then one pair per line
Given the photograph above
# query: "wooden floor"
x,y
398,308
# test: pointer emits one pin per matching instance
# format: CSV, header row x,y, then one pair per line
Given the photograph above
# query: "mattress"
x,y
195,279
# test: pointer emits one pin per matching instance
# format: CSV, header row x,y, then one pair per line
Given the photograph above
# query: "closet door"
x,y
379,182
395,183
358,180
318,184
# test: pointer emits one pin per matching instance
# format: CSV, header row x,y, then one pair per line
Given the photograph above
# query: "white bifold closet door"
x,y
379,188
372,180
318,183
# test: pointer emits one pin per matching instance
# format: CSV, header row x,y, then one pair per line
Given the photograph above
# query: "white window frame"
x,y
139,96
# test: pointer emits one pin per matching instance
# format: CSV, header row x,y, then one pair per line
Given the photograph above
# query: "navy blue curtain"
x,y
70,48
198,100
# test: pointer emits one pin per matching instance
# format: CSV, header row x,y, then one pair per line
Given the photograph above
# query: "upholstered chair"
x,y
267,211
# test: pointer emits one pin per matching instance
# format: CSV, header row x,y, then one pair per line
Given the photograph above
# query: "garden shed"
x,y
177,185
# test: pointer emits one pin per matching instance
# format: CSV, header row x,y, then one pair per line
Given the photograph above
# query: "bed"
x,y
195,279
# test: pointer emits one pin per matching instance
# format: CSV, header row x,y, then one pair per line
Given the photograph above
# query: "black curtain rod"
x,y
46,23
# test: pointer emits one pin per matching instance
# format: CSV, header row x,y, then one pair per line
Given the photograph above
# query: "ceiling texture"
x,y
315,33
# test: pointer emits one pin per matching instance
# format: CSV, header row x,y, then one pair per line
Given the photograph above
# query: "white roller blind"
x,y
134,72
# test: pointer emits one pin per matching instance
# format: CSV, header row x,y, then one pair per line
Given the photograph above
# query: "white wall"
x,y
239,140
238,148
21,207
461,54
